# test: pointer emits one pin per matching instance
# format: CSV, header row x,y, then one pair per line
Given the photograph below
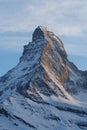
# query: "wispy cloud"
x,y
64,17
76,49
12,47
13,43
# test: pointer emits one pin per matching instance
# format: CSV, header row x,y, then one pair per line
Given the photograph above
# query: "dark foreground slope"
x,y
45,90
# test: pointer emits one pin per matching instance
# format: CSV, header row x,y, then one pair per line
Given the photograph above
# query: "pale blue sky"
x,y
18,19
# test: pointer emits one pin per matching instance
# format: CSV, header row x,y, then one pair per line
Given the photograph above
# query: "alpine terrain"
x,y
45,91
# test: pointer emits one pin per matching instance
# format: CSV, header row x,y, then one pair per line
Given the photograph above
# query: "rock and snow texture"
x,y
45,91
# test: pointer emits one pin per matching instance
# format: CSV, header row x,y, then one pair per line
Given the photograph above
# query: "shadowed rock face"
x,y
38,34
43,90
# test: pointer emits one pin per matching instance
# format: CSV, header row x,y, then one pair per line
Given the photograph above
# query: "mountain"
x,y
45,91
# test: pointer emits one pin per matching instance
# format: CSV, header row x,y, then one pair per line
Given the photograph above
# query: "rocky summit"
x,y
45,91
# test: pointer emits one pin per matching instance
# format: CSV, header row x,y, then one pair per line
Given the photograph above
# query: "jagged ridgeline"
x,y
45,90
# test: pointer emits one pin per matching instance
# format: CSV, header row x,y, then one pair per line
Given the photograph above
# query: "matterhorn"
x,y
45,91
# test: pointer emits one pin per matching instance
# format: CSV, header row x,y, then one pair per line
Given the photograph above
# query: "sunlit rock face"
x,y
45,91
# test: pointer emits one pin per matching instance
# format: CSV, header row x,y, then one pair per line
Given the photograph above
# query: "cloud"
x,y
13,43
75,49
64,17
11,47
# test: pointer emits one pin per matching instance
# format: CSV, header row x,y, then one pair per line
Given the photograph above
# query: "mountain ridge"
x,y
44,79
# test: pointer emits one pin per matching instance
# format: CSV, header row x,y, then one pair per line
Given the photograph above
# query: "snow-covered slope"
x,y
45,91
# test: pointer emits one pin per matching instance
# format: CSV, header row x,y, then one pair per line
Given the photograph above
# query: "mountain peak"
x,y
44,40
43,28
39,33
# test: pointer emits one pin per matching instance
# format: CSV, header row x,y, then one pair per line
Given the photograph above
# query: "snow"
x,y
41,116
44,29
81,98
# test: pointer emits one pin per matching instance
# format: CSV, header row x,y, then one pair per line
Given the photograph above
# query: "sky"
x,y
18,19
